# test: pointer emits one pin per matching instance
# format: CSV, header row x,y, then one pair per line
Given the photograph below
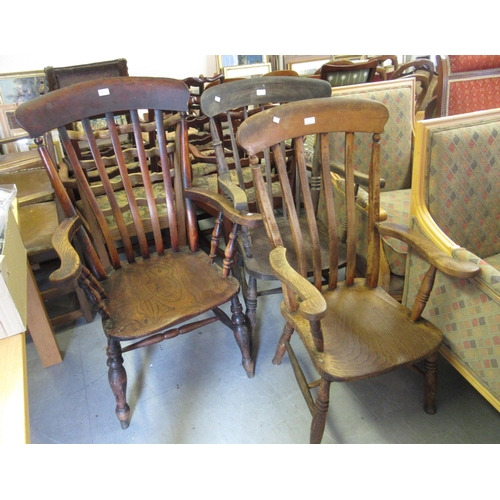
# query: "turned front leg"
x,y
117,377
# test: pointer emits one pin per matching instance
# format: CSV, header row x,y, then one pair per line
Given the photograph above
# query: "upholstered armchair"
x,y
396,167
456,204
467,83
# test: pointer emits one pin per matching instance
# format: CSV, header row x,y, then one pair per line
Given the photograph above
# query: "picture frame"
x,y
16,88
10,127
246,71
240,60
305,65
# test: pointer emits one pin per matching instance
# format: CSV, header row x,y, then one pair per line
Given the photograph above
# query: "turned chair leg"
x,y
281,348
251,303
430,383
242,336
118,381
321,409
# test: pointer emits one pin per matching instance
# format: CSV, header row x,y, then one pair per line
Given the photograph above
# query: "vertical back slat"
x,y
167,180
309,207
236,154
148,187
122,167
289,201
89,195
372,271
350,208
69,210
330,210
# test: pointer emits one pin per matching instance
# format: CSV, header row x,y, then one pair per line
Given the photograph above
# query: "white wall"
x,y
175,65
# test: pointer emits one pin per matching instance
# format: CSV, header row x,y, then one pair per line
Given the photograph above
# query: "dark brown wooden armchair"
x,y
352,329
237,100
151,291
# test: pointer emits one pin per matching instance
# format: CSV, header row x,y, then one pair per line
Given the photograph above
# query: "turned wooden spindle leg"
x,y
430,383
321,409
251,303
281,348
118,381
242,336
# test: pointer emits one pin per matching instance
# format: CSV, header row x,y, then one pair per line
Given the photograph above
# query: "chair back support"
x,y
323,117
340,74
467,83
124,206
60,77
237,100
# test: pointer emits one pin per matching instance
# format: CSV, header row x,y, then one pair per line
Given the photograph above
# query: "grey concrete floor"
x,y
193,389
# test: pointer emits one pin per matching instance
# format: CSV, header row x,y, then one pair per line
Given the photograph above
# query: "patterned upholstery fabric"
x,y
469,317
467,93
473,95
396,143
473,63
397,139
462,193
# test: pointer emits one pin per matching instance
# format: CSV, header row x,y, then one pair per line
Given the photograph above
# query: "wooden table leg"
x,y
39,325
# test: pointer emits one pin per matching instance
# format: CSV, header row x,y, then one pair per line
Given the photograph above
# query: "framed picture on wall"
x,y
246,71
242,60
305,65
16,88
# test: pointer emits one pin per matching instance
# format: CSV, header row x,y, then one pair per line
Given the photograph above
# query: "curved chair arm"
x,y
235,193
313,305
433,254
71,265
359,177
222,204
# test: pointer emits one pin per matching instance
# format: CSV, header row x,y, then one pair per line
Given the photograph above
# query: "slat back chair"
x,y
237,100
352,329
338,74
150,291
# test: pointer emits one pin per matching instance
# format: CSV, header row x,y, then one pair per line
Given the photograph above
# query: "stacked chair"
x,y
159,288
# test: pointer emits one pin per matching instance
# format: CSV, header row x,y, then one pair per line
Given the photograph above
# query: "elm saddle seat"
x,y
241,99
352,329
148,293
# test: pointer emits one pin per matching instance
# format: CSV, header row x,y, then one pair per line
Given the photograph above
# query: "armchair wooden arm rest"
x,y
71,265
313,305
359,177
222,204
433,254
235,193
198,156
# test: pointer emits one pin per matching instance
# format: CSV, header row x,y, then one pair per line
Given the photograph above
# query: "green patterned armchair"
x,y
396,168
456,204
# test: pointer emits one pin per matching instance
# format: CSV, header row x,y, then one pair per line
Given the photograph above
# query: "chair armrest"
x,y
359,177
222,204
431,252
71,266
235,193
313,305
